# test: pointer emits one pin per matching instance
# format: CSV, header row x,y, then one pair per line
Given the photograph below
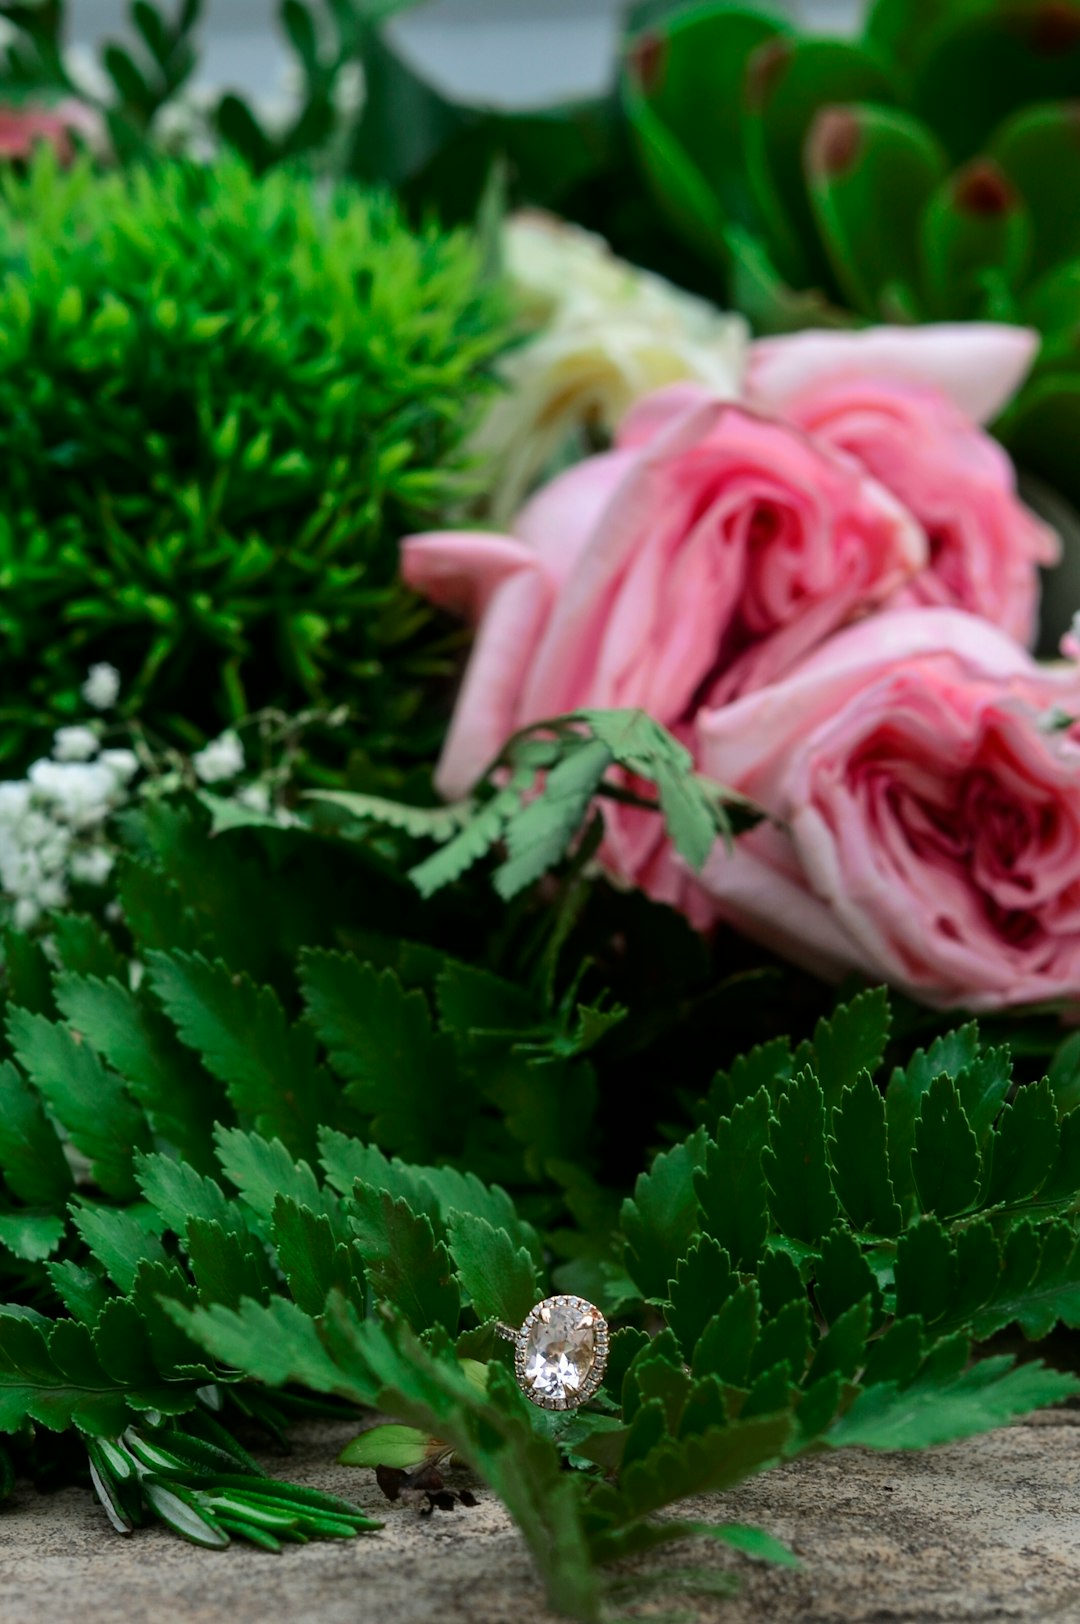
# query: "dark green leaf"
x,y
661,1216
731,1186
945,1163
88,1100
800,1191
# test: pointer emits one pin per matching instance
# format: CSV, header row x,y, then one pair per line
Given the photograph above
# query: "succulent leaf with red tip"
x,y
927,171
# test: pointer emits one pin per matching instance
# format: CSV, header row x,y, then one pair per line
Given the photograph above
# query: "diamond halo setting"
x,y
561,1352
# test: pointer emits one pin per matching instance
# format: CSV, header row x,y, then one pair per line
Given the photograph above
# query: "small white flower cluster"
x,y
603,335
220,760
53,822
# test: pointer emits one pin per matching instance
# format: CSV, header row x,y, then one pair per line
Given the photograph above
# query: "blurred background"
x,y
509,51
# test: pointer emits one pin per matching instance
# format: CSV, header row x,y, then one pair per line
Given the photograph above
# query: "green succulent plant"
x,y
222,400
926,171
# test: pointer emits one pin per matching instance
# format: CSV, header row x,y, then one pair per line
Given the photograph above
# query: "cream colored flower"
x,y
603,334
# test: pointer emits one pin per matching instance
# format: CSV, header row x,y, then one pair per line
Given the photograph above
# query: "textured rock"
x,y
983,1530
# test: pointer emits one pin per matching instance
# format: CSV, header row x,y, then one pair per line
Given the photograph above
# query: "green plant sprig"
x,y
570,757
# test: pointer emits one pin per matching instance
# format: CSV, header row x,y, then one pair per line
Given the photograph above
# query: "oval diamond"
x,y
561,1352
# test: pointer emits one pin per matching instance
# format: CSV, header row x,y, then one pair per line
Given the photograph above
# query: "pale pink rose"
x,y
927,812
701,558
61,124
906,403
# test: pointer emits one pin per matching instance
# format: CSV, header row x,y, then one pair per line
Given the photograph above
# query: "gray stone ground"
x,y
984,1530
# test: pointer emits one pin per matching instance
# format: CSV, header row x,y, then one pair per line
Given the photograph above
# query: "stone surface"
x,y
984,1530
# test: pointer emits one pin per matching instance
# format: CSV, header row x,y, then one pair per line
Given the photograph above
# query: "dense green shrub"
x,y
222,400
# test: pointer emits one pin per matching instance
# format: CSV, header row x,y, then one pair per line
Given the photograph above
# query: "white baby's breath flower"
x,y
80,792
101,689
15,798
605,334
91,866
123,764
255,797
75,744
222,758
51,893
25,913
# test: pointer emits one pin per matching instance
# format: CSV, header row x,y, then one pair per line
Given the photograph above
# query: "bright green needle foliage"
x,y
222,402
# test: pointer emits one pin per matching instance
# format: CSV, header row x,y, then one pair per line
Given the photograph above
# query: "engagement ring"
x,y
561,1352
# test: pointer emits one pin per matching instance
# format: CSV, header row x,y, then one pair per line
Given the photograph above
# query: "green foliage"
x,y
209,1491
244,393
312,1155
567,760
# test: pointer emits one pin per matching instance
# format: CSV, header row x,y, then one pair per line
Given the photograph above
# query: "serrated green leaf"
x,y
784,1339
858,1152
843,1277
32,1236
178,1193
89,1100
659,1220
947,1057
227,1266
842,1350
1024,1146
83,1292
312,1259
983,1086
31,1156
945,1163
382,1041
713,1460
539,833
274,1343
726,1345
703,1281
118,1241
779,1280
923,1272
181,1100
263,1169
896,1355
795,1165
56,1379
766,1066
439,1191
850,1041
242,1036
1037,1284
84,948
731,1185
499,1277
483,831
405,1262
987,1395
